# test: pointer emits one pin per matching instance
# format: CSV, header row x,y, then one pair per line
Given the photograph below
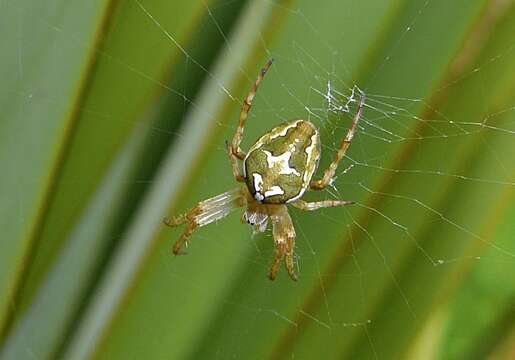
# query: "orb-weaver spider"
x,y
277,171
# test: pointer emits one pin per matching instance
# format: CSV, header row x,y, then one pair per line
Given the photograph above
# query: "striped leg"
x,y
235,151
331,170
310,206
204,213
284,237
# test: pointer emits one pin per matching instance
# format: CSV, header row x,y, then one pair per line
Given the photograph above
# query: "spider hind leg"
x,y
204,213
284,237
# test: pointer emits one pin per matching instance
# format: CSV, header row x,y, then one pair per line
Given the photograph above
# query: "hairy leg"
x,y
234,164
235,151
204,213
310,206
284,237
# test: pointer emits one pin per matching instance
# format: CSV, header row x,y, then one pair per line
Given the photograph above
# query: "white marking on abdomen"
x,y
282,162
258,181
274,190
258,186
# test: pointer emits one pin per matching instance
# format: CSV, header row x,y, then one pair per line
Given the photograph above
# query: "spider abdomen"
x,y
279,166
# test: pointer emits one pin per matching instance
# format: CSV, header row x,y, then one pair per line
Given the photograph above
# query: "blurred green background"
x,y
114,114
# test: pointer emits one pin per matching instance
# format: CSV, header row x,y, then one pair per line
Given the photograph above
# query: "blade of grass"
x,y
62,294
125,81
43,75
488,293
489,202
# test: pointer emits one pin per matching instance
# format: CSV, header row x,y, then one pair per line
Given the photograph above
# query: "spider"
x,y
277,171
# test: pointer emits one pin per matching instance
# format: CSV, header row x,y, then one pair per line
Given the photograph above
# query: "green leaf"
x,y
44,70
115,115
121,87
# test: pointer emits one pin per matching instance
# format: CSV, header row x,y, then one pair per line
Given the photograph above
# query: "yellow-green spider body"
x,y
279,166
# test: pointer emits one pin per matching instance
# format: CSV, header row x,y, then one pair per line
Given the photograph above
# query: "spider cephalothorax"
x,y
277,171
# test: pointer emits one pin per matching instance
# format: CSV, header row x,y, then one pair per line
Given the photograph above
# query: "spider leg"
x,y
204,213
234,164
235,151
310,206
284,237
331,170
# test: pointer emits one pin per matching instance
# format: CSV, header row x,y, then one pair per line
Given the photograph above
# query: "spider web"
x,y
409,137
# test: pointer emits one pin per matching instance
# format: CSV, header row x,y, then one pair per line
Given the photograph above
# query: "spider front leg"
x,y
235,151
204,213
331,170
238,176
284,237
